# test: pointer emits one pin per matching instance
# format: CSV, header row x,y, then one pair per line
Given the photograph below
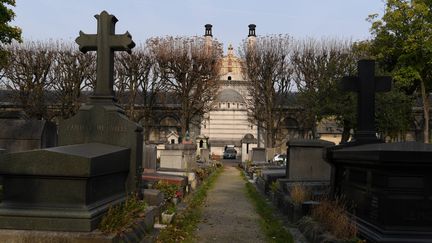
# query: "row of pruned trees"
x,y
180,69
313,68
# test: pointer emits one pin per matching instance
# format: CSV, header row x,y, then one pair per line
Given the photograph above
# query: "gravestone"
x,y
258,156
389,185
150,157
366,84
305,160
179,160
21,135
69,188
101,120
64,188
178,156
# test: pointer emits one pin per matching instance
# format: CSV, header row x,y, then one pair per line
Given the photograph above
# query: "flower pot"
x,y
167,218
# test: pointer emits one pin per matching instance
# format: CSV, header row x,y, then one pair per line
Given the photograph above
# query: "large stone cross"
x,y
366,84
105,42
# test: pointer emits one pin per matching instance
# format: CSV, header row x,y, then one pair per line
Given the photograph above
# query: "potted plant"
x,y
168,214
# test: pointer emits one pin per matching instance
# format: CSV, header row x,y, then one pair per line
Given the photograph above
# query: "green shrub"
x,y
122,216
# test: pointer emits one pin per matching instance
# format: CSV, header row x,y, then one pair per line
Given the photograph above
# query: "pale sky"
x,y
61,19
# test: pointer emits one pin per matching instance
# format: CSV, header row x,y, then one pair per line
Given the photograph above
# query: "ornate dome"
x,y
230,95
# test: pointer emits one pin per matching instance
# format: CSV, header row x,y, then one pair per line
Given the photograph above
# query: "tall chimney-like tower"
x,y
252,30
251,35
208,30
208,37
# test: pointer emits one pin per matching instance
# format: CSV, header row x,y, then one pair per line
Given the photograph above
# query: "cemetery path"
x,y
228,215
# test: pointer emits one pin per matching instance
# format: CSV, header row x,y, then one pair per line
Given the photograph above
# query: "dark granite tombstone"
x,y
62,188
101,120
388,185
69,188
366,84
20,135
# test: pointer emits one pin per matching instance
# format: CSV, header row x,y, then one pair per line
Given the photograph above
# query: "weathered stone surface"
x,y
305,160
178,156
63,188
138,233
18,135
153,197
104,123
258,155
150,156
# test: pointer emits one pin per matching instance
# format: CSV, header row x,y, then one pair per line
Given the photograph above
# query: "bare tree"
x,y
27,72
267,66
71,71
319,65
189,69
137,83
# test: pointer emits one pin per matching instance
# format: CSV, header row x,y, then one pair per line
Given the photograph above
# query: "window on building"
x,y
237,105
229,77
220,105
228,105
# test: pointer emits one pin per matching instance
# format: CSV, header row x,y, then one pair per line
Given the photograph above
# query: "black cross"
x,y
366,84
105,42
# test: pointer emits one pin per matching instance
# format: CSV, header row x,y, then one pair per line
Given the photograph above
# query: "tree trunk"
x,y
425,99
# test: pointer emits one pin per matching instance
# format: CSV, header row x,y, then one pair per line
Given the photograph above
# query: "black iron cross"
x,y
366,84
105,42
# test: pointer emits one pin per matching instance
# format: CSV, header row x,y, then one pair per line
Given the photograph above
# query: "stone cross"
x,y
105,42
366,84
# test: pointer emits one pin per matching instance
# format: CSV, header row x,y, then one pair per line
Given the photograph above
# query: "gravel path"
x,y
228,215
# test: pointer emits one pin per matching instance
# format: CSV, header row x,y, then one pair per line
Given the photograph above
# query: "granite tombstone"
x,y
101,120
69,188
389,185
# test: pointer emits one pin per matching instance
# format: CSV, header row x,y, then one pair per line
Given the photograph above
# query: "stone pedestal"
x,y
305,160
178,156
101,121
64,188
390,187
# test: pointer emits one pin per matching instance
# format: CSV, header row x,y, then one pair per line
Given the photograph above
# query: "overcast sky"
x,y
61,19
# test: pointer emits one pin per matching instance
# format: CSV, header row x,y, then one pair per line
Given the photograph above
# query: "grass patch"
x,y
272,227
184,225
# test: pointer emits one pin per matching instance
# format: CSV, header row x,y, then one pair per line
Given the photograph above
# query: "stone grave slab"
x,y
305,160
150,157
178,157
18,135
64,188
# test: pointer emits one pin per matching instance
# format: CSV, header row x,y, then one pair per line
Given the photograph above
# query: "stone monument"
x,y
388,184
69,188
101,120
